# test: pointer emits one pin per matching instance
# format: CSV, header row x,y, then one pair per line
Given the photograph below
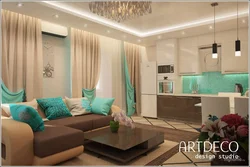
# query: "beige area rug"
x,y
90,159
154,158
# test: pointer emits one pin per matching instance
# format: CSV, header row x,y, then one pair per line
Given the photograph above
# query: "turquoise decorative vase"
x,y
114,126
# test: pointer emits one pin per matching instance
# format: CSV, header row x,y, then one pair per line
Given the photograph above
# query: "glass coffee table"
x,y
124,145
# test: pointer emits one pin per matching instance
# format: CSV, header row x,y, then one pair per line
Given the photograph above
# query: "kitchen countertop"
x,y
193,95
187,94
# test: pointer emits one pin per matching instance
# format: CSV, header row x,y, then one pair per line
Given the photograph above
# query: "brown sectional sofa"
x,y
84,123
61,140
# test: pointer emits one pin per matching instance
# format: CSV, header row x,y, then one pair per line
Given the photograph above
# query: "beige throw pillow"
x,y
75,106
6,107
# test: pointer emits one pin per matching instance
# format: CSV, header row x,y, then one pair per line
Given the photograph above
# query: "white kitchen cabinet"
x,y
166,51
149,106
188,60
232,64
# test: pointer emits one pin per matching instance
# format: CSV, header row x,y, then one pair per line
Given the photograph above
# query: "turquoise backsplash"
x,y
214,82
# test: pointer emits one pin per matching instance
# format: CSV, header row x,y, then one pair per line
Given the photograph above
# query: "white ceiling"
x,y
168,14
168,19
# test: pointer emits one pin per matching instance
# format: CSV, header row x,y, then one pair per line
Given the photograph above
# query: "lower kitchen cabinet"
x,y
179,108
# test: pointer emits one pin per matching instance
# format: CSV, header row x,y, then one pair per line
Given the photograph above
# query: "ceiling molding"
x,y
100,20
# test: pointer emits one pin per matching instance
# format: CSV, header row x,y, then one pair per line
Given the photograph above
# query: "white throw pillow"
x,y
75,106
6,107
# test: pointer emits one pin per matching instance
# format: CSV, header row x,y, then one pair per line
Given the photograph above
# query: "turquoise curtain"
x,y
11,97
130,99
89,93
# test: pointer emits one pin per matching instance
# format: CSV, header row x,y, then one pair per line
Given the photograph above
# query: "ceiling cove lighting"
x,y
118,26
237,42
214,47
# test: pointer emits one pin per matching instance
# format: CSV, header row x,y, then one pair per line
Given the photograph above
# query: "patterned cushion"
x,y
27,115
6,107
75,106
54,108
86,104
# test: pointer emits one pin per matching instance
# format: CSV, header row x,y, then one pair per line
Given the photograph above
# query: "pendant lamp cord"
x,y
214,24
237,22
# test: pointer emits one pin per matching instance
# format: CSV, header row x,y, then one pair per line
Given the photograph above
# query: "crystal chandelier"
x,y
120,10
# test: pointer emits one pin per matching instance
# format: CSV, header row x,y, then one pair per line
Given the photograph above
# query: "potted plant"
x,y
120,118
230,133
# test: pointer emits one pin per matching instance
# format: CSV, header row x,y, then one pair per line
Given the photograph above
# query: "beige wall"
x,y
60,84
151,53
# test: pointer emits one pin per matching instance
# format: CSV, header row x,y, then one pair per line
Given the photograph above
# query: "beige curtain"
x,y
85,61
133,57
22,61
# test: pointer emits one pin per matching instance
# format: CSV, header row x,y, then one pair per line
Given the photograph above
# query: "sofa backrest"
x,y
33,103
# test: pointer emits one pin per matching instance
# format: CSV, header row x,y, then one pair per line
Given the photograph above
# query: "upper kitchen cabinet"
x,y
188,60
166,51
230,63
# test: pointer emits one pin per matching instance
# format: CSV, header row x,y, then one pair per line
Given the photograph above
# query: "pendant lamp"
x,y
214,46
237,42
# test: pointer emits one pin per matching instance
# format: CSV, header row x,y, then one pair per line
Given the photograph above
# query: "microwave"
x,y
165,69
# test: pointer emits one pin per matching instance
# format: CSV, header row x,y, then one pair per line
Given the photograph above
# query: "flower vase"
x,y
114,126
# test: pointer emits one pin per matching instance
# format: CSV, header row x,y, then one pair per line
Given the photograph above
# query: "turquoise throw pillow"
x,y
89,93
54,108
102,105
27,115
86,104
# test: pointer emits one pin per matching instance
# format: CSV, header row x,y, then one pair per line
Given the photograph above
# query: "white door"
x,y
148,106
148,78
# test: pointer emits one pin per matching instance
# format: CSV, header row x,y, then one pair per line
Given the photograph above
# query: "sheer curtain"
x,y
22,61
111,82
85,61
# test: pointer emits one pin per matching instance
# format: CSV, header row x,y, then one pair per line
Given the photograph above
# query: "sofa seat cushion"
x,y
84,122
101,120
55,139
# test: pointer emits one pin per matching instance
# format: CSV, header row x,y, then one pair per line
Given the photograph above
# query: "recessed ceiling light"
x,y
108,31
159,36
19,4
243,21
183,33
56,16
210,27
85,25
139,40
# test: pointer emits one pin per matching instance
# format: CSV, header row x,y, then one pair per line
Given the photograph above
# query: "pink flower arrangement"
x,y
123,119
231,127
242,130
233,120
